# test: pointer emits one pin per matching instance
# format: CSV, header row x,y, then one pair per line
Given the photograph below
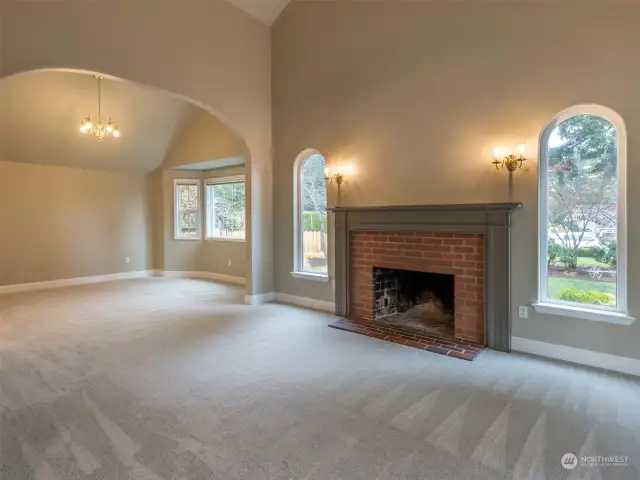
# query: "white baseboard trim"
x,y
260,298
306,302
218,277
626,365
68,282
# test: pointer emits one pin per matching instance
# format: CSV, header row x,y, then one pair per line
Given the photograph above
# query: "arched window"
x,y
310,217
583,215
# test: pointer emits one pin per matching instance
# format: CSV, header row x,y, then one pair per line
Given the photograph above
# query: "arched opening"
x,y
165,138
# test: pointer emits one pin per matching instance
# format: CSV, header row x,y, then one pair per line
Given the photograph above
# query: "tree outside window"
x,y
582,191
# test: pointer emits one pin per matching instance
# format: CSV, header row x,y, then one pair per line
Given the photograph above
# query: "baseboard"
x,y
259,299
69,282
626,365
306,302
218,277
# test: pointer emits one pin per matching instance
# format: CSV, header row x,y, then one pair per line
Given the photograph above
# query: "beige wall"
x,y
198,255
205,50
205,138
59,222
414,94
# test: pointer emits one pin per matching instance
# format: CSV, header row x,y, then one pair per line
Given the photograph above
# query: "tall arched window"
x,y
310,217
582,215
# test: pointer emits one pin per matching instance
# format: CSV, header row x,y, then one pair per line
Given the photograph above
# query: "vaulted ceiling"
x,y
41,113
267,11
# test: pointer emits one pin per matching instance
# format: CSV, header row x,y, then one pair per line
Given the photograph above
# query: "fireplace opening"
x,y
420,301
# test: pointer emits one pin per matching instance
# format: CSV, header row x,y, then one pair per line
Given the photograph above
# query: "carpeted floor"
x,y
174,379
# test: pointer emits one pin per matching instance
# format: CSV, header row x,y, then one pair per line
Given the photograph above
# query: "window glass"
x,y
313,216
226,210
582,212
187,210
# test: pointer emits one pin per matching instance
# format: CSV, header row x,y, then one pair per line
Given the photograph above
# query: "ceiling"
x,y
41,113
267,11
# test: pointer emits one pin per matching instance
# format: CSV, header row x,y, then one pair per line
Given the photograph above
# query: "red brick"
x,y
474,242
434,242
464,249
412,240
452,241
466,264
445,235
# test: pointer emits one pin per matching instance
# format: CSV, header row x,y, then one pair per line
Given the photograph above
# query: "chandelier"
x,y
98,128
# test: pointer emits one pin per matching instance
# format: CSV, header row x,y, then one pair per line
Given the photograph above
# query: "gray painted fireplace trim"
x,y
493,220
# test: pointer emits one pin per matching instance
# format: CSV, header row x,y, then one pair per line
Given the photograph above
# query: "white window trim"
x,y
298,223
176,210
315,277
618,314
218,181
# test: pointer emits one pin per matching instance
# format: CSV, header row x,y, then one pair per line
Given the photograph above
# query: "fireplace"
x,y
460,252
419,301
419,274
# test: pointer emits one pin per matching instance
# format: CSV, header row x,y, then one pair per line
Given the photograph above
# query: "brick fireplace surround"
x,y
470,242
458,254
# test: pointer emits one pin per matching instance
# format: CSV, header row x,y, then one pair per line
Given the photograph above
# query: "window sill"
x,y
592,314
223,239
188,239
315,277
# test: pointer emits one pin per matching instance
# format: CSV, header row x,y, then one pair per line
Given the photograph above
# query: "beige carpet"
x,y
174,379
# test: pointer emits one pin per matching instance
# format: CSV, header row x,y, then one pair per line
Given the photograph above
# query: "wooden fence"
x,y
219,233
312,241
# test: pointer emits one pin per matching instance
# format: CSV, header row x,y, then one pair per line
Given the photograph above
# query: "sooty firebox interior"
x,y
414,300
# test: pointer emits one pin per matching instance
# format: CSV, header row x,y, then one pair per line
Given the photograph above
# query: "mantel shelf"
x,y
432,208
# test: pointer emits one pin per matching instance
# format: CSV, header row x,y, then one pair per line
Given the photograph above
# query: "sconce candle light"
x,y
505,158
338,176
330,177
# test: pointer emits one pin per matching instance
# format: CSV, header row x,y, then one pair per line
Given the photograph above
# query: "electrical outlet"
x,y
229,262
523,311
127,260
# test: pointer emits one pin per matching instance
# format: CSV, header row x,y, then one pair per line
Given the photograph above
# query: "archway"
x,y
205,108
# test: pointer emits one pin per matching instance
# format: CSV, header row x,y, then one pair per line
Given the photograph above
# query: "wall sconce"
x,y
505,158
330,177
338,176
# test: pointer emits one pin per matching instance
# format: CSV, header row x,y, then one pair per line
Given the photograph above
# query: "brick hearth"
x,y
451,348
457,254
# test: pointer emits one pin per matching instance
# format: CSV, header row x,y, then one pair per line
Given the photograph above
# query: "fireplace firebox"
x,y
421,301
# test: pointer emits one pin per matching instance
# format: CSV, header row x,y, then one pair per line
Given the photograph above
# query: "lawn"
x,y
557,284
591,262
587,262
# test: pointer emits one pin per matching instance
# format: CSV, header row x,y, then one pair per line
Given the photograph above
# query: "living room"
x,y
378,162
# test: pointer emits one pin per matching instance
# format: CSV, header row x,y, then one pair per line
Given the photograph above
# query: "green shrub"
x,y
315,221
588,252
592,297
607,254
569,257
553,252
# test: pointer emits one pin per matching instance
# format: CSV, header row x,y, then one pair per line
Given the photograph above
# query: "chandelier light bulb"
x,y
116,133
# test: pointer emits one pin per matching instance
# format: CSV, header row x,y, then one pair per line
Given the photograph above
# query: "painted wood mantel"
x,y
493,220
